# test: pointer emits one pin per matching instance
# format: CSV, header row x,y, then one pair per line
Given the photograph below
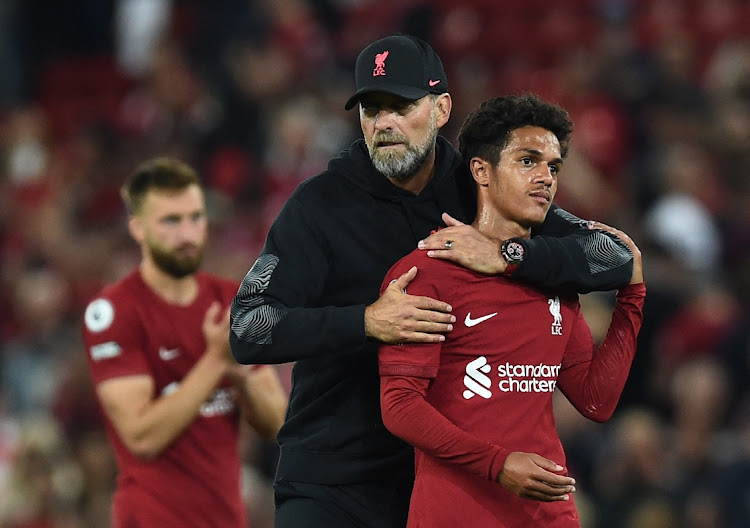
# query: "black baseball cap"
x,y
401,65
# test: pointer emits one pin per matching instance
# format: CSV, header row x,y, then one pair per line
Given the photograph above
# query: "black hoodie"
x,y
324,260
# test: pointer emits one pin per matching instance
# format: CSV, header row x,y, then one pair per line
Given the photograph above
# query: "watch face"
x,y
514,251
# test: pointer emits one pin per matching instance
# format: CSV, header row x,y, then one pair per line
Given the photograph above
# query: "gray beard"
x,y
401,167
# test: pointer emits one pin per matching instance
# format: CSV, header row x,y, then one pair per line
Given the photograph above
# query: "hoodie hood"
x,y
354,165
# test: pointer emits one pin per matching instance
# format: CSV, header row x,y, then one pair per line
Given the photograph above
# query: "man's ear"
x,y
135,227
480,170
443,106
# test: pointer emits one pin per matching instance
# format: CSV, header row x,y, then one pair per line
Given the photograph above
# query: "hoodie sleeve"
x,y
276,316
565,253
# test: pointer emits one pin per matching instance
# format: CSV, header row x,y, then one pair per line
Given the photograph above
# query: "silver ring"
x,y
449,244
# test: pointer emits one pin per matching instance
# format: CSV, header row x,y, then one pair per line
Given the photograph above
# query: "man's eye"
x,y
526,161
371,108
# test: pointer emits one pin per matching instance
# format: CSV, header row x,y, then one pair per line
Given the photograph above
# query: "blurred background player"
x,y
157,347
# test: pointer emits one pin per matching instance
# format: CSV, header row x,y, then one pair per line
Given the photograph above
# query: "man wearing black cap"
x,y
407,67
312,295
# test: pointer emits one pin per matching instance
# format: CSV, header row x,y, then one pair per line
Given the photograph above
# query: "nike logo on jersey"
x,y
168,354
473,322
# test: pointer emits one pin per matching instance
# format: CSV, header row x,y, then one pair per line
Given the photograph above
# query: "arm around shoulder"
x,y
279,314
574,254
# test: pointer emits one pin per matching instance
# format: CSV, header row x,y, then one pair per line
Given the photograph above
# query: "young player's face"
x,y
175,229
400,134
524,181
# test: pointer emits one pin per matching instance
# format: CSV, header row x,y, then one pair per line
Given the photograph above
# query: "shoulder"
x,y
317,196
417,258
114,302
445,149
348,173
427,267
315,185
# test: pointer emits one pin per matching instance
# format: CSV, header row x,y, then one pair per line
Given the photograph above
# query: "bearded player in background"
x,y
158,352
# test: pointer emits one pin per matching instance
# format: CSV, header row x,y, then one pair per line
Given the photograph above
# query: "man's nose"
x,y
384,119
190,231
544,175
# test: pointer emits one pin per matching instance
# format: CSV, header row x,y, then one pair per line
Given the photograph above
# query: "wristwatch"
x,y
513,251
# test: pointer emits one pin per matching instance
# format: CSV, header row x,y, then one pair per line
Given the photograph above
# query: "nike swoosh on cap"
x,y
473,322
433,83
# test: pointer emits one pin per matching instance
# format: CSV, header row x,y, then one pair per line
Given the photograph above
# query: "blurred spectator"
x,y
139,26
680,219
694,332
733,475
42,344
630,468
699,402
45,483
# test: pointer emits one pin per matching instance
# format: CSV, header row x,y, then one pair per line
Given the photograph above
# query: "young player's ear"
x,y
480,171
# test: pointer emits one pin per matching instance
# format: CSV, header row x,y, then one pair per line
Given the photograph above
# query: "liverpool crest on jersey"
x,y
554,309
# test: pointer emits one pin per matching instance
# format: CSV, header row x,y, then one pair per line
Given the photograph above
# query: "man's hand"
x,y
466,246
397,317
216,331
261,396
531,476
637,276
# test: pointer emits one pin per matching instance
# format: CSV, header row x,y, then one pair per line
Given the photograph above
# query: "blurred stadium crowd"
x,y
252,94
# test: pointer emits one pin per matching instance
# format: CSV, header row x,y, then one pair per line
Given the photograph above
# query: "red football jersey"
x,y
492,380
129,330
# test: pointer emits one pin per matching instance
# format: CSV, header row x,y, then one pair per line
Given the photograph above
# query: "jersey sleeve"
x,y
274,315
113,338
592,378
564,253
406,371
410,359
408,415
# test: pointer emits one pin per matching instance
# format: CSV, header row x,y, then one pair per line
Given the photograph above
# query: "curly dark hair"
x,y
484,133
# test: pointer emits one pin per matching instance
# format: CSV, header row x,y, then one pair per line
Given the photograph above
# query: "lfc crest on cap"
x,y
380,64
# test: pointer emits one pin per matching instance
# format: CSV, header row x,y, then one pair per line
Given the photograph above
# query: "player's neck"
x,y
181,292
494,225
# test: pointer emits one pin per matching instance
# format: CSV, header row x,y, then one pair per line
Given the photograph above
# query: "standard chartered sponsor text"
x,y
526,378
